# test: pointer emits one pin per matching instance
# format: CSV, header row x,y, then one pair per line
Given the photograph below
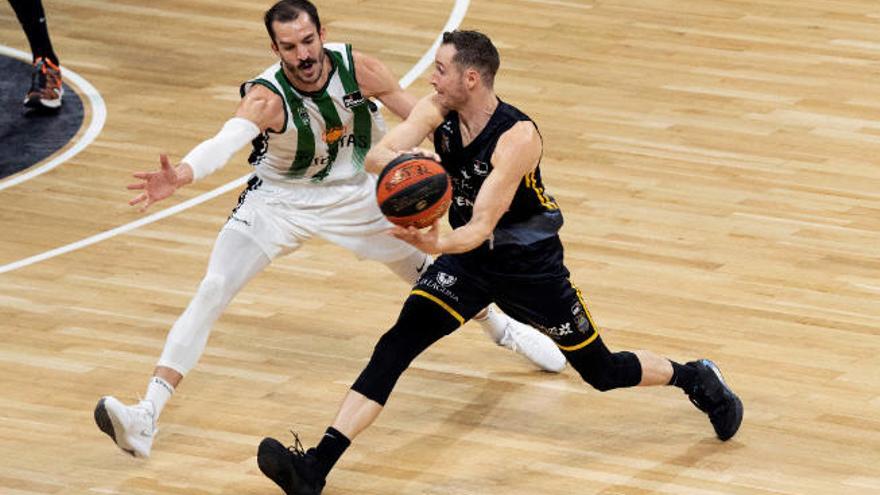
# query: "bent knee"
x,y
601,381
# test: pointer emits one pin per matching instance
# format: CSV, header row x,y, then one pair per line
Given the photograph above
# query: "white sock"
x,y
494,324
158,392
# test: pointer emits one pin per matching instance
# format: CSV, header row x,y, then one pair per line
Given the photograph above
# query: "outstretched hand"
x,y
427,241
156,186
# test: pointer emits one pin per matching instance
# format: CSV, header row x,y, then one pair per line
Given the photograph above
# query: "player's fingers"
x,y
137,199
163,160
141,175
403,234
137,185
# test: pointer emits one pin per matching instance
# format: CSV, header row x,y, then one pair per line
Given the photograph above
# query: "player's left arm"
x,y
516,154
377,81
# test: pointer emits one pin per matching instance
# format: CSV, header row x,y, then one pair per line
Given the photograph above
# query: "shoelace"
x,y
297,447
38,78
151,415
45,76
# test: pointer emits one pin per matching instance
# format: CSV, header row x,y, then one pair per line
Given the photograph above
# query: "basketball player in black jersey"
x,y
503,248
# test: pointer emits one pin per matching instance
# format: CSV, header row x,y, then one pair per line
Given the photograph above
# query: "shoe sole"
x,y
41,104
37,102
105,424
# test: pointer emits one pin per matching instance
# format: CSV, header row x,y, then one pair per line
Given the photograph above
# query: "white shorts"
x,y
280,217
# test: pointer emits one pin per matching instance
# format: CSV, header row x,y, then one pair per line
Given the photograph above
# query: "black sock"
x,y
33,20
329,450
684,376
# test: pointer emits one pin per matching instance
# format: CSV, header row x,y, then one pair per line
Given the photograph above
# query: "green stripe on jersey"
x,y
333,132
363,121
305,138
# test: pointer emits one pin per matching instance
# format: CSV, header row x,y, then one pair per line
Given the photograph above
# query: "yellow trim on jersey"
x,y
584,305
582,344
440,303
589,317
531,183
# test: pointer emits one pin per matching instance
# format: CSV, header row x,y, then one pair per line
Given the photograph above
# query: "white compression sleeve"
x,y
211,155
236,259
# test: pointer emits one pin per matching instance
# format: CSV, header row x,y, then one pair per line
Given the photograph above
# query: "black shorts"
x,y
530,283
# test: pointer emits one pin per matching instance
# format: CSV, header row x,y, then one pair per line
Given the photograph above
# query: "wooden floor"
x,y
718,163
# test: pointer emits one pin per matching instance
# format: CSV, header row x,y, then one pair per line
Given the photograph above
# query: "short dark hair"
x,y
288,10
474,49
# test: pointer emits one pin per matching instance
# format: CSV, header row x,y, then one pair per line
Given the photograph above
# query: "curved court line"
x,y
99,115
455,18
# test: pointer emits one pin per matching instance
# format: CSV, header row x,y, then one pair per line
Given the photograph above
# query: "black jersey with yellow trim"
x,y
533,214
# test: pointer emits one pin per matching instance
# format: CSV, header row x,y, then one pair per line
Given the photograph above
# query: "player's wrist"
x,y
184,175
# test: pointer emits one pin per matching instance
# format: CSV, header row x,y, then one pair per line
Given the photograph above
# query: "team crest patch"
x,y
353,99
446,279
304,115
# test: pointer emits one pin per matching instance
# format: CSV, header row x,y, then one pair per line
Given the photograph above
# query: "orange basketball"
x,y
413,191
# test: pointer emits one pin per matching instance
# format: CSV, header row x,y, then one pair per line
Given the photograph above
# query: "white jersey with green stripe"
x,y
326,134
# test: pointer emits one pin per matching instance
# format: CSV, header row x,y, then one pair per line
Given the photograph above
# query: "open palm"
x,y
156,186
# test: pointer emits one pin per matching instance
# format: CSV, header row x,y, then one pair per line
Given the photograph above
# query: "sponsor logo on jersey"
x,y
332,134
559,330
463,201
440,285
481,168
353,99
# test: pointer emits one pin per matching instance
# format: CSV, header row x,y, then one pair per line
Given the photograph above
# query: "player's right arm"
x,y
258,111
424,118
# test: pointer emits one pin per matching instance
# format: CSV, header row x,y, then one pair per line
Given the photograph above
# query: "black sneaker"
x,y
290,467
712,396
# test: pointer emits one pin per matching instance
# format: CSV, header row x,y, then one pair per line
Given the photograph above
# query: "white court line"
x,y
99,115
455,18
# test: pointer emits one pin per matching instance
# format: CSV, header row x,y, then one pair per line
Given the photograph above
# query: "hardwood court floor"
x,y
717,163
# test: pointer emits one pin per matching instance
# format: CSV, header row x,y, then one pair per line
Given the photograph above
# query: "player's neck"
x,y
477,112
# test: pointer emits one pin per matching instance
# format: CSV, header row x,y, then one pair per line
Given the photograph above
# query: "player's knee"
x,y
617,370
388,362
600,380
391,354
213,290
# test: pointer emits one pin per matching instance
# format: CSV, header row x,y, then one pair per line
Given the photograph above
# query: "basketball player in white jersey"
x,y
311,123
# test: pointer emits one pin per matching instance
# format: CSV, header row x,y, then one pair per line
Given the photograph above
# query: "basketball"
x,y
413,190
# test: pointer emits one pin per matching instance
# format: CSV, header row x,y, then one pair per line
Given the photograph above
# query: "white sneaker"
x,y
131,427
534,345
